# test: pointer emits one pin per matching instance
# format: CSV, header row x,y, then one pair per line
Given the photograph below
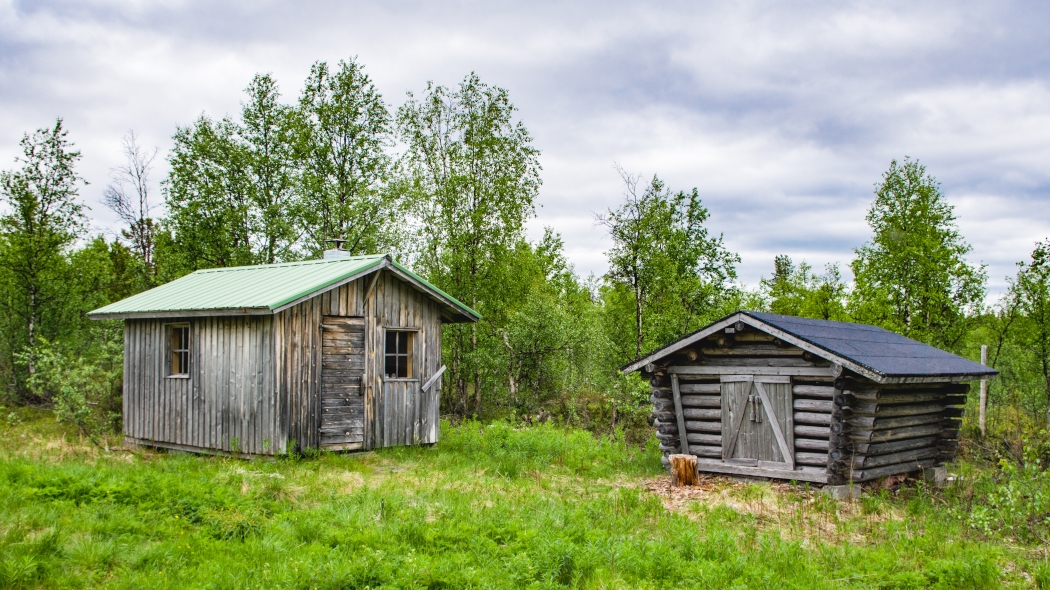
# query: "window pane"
x,y
390,368
391,342
402,342
179,341
402,366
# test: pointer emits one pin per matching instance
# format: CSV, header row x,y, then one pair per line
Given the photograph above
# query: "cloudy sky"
x,y
784,115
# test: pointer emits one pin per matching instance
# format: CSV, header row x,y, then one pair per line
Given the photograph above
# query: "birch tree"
x,y
664,263
129,195
913,277
474,176
347,131
43,220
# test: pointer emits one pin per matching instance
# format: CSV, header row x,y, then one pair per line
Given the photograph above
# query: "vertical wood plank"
x,y
679,415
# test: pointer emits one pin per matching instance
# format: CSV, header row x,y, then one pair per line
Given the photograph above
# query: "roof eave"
x,y
789,338
179,313
460,312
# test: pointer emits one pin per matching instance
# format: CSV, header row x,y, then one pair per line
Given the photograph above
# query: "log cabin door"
x,y
757,421
342,377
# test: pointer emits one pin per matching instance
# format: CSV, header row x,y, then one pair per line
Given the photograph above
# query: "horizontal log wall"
x,y
893,429
699,369
813,404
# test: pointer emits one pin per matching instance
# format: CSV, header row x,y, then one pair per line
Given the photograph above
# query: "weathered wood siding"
x,y
395,412
404,415
226,402
255,382
699,370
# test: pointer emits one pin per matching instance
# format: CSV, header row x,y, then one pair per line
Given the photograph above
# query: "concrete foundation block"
x,y
936,476
844,492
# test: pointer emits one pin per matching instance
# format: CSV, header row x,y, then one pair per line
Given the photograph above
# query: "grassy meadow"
x,y
491,506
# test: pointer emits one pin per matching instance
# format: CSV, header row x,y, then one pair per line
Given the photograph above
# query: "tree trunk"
x,y
637,318
477,374
32,331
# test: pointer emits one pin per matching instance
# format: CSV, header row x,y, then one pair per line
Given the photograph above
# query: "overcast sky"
x,y
784,115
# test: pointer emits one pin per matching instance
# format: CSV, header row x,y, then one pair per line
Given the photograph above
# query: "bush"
x,y
85,391
1014,501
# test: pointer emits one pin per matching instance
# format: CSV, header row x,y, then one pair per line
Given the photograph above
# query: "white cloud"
x,y
783,115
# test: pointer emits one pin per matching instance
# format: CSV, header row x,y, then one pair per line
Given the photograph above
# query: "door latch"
x,y
753,401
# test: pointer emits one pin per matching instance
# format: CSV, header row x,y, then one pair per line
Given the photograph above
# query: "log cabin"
x,y
773,396
342,353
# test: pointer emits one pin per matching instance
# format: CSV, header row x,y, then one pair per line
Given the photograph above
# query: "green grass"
x,y
489,507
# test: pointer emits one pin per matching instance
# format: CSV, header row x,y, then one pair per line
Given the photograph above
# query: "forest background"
x,y
447,183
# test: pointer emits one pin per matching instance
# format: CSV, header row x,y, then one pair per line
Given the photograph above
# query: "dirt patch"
x,y
795,511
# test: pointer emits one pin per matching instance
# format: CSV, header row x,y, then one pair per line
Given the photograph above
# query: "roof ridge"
x,y
286,264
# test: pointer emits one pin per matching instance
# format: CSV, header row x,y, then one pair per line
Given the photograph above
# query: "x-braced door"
x,y
757,421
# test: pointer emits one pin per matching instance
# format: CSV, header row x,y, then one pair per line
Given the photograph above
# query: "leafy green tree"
x,y
345,160
209,197
233,189
798,291
546,327
268,135
1031,292
666,272
474,176
912,277
42,224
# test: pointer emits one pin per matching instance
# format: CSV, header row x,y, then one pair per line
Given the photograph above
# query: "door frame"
x,y
758,383
364,444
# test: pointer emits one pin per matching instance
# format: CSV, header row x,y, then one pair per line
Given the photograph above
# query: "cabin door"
x,y
757,422
342,377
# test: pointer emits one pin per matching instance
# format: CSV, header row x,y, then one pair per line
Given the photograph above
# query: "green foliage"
x,y
85,390
43,222
800,292
344,161
473,174
1031,296
913,277
208,198
667,274
1015,501
268,134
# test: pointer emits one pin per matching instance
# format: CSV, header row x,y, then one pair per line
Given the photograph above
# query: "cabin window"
x,y
398,354
179,345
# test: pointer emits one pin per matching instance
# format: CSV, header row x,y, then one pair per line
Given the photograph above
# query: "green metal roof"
x,y
263,289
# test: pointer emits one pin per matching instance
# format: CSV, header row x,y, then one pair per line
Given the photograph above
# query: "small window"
x,y
179,342
398,354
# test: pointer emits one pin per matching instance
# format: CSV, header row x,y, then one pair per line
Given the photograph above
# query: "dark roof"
x,y
857,346
883,351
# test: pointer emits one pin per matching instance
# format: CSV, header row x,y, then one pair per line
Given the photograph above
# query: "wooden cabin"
x,y
765,395
342,353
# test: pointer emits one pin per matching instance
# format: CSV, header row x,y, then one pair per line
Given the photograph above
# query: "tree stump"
x,y
683,471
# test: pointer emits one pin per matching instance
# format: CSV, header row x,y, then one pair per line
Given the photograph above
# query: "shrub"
x,y
85,391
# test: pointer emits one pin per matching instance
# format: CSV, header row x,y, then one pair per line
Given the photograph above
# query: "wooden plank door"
x,y
757,421
342,378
